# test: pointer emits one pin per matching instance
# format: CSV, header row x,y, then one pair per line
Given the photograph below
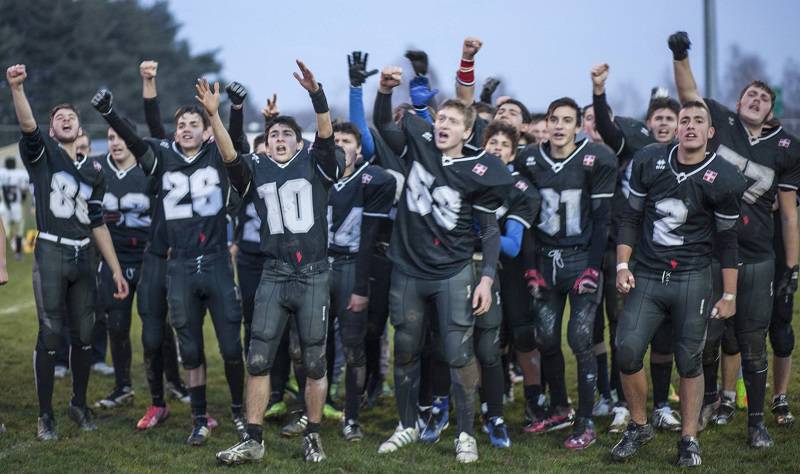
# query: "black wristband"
x,y
680,55
319,101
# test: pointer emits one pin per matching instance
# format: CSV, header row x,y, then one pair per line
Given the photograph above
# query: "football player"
x,y
14,188
68,191
682,203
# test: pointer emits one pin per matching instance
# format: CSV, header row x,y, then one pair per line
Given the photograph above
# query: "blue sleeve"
x,y
511,240
423,112
359,119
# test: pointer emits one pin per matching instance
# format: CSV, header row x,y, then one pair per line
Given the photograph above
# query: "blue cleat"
x,y
437,422
497,430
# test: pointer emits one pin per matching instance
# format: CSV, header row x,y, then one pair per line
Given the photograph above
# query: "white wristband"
x,y
622,266
728,297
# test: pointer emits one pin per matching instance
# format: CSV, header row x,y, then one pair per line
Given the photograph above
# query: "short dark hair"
x,y
658,103
287,121
538,117
482,107
349,128
526,115
690,104
193,109
62,106
565,102
260,139
11,163
466,111
495,127
763,86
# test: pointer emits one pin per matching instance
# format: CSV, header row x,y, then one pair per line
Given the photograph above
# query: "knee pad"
x,y
257,361
754,351
781,336
314,361
688,365
458,348
231,351
49,340
191,356
730,346
488,350
116,324
710,353
628,359
523,338
355,355
579,338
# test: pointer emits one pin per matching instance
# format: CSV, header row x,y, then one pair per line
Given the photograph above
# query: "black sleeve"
x,y
143,153
152,115
529,250
31,146
95,202
390,131
490,242
630,221
239,175
236,131
369,228
601,213
612,136
329,159
726,218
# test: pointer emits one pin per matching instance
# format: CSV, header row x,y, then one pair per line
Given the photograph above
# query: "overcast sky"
x,y
542,50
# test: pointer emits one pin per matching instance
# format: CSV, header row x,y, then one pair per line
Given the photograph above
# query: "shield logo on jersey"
x,y
366,178
588,160
427,136
479,169
710,176
521,185
784,143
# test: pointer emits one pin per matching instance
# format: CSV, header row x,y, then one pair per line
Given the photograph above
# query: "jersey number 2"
x,y
675,213
203,185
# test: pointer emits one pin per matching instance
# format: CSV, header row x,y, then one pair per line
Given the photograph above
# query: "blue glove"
x,y
421,92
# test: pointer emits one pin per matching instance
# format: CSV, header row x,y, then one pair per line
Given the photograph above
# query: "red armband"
x,y
466,72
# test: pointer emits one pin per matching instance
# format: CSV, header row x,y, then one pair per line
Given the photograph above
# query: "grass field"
x,y
118,447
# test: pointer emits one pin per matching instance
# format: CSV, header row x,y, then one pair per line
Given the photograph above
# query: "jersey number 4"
x,y
444,202
68,197
203,185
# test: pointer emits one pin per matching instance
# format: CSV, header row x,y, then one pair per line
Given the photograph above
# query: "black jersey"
x,y
433,236
766,163
68,194
369,191
681,210
567,188
126,207
396,167
478,130
248,226
194,193
522,204
291,199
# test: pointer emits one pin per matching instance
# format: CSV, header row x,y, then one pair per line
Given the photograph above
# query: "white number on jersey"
x,y
290,207
444,202
68,197
203,185
675,214
135,206
763,175
349,232
253,224
550,219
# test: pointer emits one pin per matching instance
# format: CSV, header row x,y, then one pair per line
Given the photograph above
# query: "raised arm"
x,y
609,132
382,113
465,76
16,75
684,79
103,103
309,83
152,115
357,70
209,98
237,95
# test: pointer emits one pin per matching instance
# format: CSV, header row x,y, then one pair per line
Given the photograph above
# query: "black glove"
x,y
102,101
236,93
679,44
787,283
488,90
357,67
419,61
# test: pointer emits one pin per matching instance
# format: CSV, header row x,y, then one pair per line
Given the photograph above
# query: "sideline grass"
x,y
118,447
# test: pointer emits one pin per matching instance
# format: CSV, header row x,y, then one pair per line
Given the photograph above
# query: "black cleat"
x,y
759,437
46,428
83,417
241,425
689,452
118,397
634,437
780,408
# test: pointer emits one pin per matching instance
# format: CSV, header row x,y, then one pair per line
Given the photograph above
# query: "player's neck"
x,y
454,152
125,163
561,152
691,157
71,149
349,169
754,130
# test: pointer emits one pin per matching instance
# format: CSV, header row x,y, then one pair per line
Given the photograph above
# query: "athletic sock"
x,y
553,372
756,385
492,389
311,427
197,396
661,374
354,379
44,364
234,374
711,393
602,376
255,432
80,362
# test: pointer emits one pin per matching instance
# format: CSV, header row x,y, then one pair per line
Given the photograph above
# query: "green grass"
x,y
118,447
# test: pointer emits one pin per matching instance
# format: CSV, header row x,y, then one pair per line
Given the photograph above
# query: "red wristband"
x,y
466,72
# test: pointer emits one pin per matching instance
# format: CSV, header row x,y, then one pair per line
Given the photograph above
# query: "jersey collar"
x,y
756,140
681,176
284,165
120,173
189,159
557,166
339,185
447,161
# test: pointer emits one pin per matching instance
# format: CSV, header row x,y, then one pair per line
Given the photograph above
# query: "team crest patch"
x,y
479,169
710,176
784,143
427,136
366,178
521,185
588,160
97,166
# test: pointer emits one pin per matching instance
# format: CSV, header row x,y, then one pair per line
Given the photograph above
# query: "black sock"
x,y
198,400
553,371
587,382
492,389
168,359
532,393
711,394
661,374
44,364
18,244
756,384
300,377
255,432
354,379
425,398
505,366
602,375
441,378
121,358
234,373
154,370
80,361
311,427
